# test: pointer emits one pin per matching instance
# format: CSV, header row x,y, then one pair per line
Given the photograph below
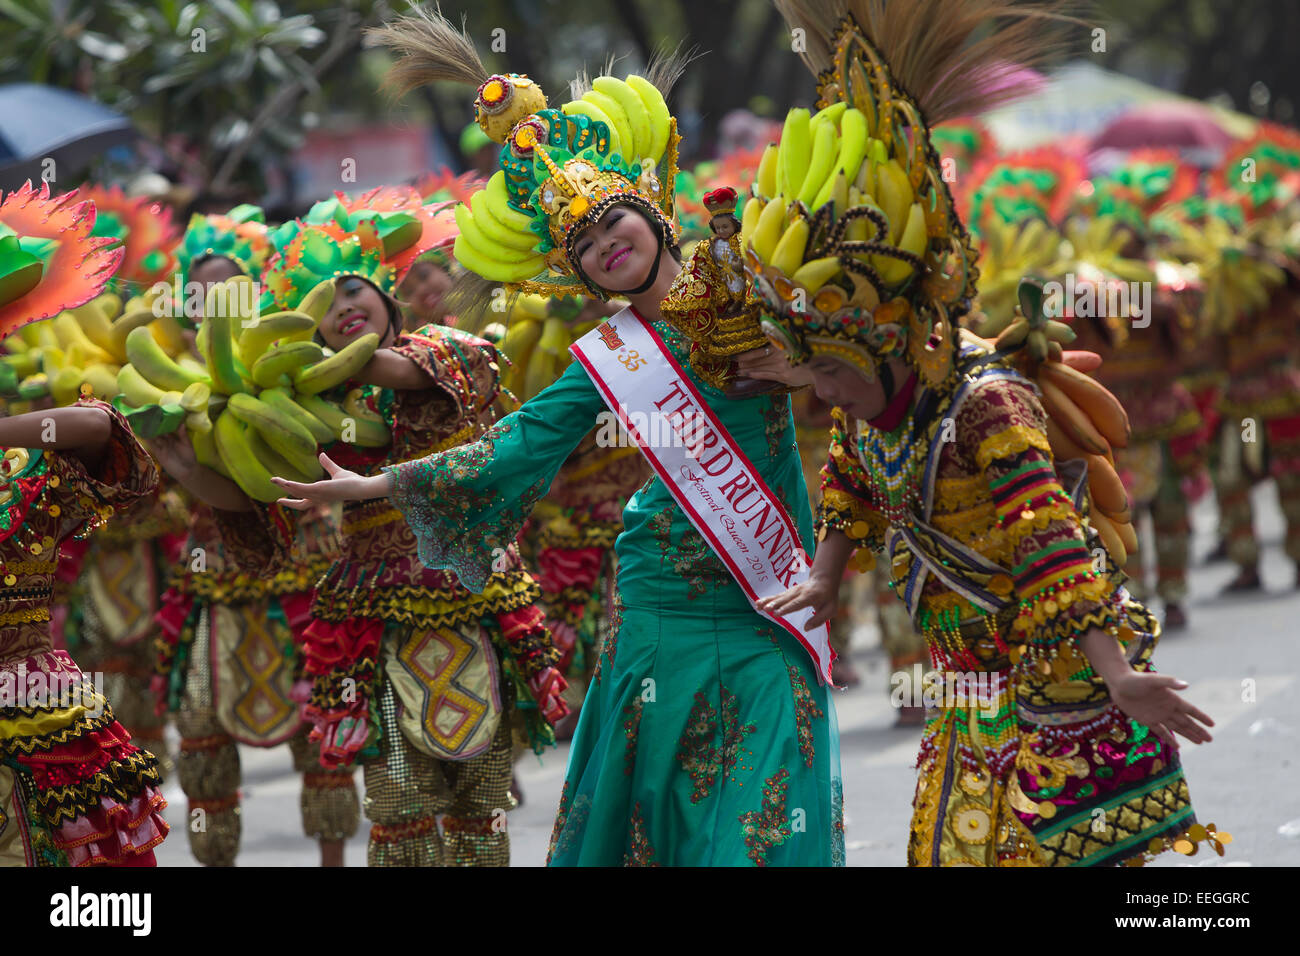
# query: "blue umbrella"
x,y
43,122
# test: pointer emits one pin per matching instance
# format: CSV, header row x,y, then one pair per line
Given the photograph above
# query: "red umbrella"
x,y
1174,124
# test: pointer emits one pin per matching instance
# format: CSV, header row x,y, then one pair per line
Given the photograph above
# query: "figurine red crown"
x,y
721,201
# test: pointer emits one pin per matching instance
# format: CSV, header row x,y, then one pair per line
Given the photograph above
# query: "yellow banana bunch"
x,y
788,255
1008,253
88,346
796,149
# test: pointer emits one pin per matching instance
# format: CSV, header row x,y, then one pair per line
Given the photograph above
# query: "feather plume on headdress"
x,y
428,49
951,55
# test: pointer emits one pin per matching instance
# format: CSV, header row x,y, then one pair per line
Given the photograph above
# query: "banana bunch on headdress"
x,y
853,240
560,168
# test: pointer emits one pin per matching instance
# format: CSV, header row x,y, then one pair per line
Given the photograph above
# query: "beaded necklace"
x,y
892,460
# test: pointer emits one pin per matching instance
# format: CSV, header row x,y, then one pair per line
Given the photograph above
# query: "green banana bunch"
x,y
251,407
362,430
834,159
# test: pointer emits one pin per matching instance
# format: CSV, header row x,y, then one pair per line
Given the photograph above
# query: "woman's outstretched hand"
x,y
341,485
1153,700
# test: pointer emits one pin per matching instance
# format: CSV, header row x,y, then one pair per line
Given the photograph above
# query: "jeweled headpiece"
x,y
50,260
239,235
853,241
560,169
377,235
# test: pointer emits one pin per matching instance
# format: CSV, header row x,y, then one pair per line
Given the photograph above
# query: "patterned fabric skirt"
x,y
74,790
1116,795
704,740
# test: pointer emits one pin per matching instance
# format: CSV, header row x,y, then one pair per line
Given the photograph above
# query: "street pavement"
x,y
1239,655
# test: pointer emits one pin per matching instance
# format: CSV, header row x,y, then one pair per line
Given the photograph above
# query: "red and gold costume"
x,y
228,648
228,654
117,594
74,790
413,673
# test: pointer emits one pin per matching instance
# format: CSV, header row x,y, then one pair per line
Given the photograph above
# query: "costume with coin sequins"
x,y
227,657
113,603
1033,765
74,790
429,671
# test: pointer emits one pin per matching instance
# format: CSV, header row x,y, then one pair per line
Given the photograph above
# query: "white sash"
x,y
705,470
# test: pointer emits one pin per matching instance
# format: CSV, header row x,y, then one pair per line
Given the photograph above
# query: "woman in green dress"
x,y
707,737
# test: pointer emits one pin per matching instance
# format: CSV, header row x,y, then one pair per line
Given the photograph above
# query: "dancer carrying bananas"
x,y
707,734
228,652
74,790
413,675
1032,218
123,571
1039,747
1260,277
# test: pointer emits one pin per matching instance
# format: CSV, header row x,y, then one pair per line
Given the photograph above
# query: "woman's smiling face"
x,y
617,252
358,308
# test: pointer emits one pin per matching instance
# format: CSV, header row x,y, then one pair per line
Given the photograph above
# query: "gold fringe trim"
x,y
1011,441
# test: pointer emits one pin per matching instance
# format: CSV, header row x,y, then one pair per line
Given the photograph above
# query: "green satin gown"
x,y
705,738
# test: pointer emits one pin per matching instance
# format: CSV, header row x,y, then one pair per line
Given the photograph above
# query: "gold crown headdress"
x,y
560,168
853,240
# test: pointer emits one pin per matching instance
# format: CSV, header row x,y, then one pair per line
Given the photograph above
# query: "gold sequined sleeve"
x,y
465,373
845,502
1002,428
